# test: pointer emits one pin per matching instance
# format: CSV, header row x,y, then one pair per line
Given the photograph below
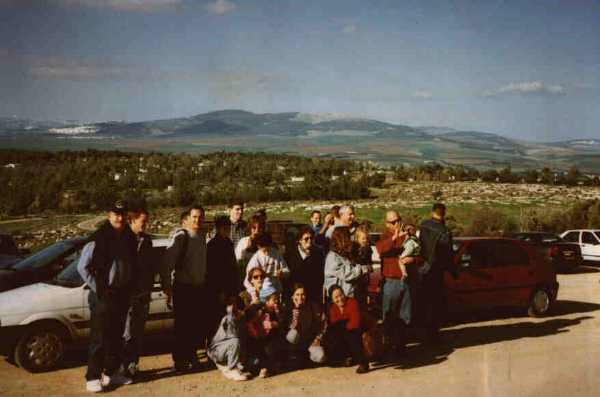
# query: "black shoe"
x,y
182,366
362,369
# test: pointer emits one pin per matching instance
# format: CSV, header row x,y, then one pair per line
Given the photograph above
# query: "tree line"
x,y
77,181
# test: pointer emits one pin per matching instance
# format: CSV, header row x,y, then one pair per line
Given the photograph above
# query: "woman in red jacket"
x,y
344,332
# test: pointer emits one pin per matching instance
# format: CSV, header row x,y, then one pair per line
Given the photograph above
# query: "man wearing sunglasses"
x,y
397,302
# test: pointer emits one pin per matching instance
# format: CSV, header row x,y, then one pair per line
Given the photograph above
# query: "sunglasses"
x,y
258,277
306,239
394,222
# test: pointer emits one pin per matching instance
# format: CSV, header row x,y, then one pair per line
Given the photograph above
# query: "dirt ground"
x,y
491,354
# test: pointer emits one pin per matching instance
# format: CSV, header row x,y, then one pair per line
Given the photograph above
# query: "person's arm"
x,y
349,272
84,261
240,248
284,270
251,265
172,254
386,245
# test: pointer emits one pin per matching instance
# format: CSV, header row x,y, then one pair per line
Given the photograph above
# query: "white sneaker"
x,y
118,379
234,374
222,368
132,369
93,386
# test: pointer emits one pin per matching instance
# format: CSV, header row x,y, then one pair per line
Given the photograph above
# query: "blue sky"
x,y
523,69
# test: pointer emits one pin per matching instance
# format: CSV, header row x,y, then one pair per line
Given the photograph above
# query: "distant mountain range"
x,y
332,135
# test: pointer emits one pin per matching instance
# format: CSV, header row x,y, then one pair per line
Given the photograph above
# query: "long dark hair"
x,y
341,241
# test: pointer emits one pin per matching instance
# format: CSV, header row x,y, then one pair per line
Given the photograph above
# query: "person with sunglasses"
x,y
256,277
307,265
397,302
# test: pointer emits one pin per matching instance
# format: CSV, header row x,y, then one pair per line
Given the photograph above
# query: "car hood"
x,y
38,298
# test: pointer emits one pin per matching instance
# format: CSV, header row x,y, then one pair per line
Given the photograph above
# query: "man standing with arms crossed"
x,y
436,248
186,254
108,266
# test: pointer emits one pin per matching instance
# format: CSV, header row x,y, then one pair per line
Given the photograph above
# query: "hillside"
x,y
323,135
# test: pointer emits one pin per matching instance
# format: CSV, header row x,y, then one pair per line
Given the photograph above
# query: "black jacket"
x,y
309,271
436,246
110,246
222,274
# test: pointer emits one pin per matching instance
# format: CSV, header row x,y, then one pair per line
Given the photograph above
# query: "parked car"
x,y
39,322
563,255
42,265
496,272
9,253
588,240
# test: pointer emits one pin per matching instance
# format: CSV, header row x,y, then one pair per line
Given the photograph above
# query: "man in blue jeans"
x,y
397,303
108,266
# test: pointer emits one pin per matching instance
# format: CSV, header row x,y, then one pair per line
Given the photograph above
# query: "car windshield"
x,y
69,277
45,256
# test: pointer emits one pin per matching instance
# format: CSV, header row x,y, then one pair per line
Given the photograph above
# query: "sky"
x,y
523,69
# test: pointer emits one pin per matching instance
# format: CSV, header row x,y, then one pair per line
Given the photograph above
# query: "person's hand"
x,y
277,273
316,341
405,261
169,293
329,220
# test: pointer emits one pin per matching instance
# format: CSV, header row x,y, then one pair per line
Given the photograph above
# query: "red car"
x,y
495,272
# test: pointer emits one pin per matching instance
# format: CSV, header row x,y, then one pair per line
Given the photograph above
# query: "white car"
x,y
588,240
39,321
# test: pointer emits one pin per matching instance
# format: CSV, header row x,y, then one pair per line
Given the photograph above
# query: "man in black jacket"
x,y
148,267
436,249
108,266
222,276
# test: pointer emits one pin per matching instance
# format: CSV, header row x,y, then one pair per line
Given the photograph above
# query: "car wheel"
x,y
41,348
540,303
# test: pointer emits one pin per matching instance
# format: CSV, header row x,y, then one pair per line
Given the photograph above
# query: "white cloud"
x,y
526,88
125,5
422,95
349,28
221,7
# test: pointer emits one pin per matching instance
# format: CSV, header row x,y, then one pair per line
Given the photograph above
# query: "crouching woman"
x,y
343,338
225,348
301,322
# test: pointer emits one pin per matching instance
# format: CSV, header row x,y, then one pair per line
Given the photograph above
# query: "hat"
x,y
119,207
269,288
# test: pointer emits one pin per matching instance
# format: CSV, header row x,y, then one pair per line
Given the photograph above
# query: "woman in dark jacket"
x,y
307,263
302,324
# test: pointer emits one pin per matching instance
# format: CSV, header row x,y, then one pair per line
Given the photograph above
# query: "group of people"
x,y
256,306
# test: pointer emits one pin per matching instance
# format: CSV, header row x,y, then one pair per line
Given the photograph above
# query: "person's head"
x,y
392,220
264,242
233,305
236,210
315,218
195,218
138,221
335,211
222,226
256,277
262,213
438,212
347,215
253,312
117,215
341,241
305,238
183,218
298,295
272,302
337,296
411,229
256,225
362,235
